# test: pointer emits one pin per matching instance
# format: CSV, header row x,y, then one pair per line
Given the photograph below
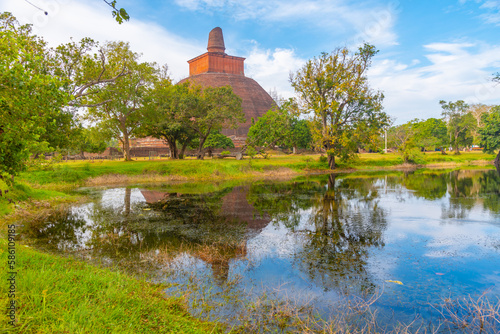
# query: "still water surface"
x,y
414,239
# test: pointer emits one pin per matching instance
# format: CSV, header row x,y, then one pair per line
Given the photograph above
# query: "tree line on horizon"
x,y
83,96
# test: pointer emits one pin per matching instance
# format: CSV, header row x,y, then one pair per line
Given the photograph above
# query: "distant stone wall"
x,y
140,152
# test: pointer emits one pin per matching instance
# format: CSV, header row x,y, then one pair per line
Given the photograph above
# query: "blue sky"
x,y
429,50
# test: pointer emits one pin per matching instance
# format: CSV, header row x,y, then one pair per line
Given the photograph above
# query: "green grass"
x,y
62,295
20,193
76,173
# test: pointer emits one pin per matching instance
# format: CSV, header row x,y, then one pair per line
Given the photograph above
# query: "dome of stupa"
x,y
215,68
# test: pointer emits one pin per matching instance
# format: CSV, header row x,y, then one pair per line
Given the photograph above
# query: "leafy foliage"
x,y
123,110
213,109
490,133
280,127
431,134
30,97
165,119
120,14
403,137
218,140
335,87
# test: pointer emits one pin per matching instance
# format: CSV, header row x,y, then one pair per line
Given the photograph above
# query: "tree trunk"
x,y
442,151
331,161
331,181
294,150
183,149
457,151
201,150
126,147
128,193
173,149
496,162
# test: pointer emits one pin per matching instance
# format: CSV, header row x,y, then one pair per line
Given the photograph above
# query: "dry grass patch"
x,y
114,179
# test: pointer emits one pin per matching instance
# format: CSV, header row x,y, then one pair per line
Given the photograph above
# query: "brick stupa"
x,y
215,68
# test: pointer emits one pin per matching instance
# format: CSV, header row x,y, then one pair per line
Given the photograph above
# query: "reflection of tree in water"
x,y
469,188
466,189
191,223
429,185
284,201
347,222
490,190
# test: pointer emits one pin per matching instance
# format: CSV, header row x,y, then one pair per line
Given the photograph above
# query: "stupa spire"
x,y
216,41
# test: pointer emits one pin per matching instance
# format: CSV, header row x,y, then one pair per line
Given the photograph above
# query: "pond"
x,y
352,250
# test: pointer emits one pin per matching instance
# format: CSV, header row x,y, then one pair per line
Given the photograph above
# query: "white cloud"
x,y
271,69
363,22
491,8
456,71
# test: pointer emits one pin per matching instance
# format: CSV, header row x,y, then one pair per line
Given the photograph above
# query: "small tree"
x,y
217,140
89,140
280,127
403,138
490,133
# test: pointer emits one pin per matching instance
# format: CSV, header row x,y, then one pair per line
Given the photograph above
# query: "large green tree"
x,y
280,127
431,134
461,123
30,97
335,88
167,106
212,109
124,107
490,133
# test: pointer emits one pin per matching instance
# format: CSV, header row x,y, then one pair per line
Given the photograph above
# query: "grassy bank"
x,y
102,172
61,295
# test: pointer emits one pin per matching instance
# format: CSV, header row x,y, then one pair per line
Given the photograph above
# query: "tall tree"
x,y
30,97
490,133
123,109
335,87
460,122
213,109
477,110
166,107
